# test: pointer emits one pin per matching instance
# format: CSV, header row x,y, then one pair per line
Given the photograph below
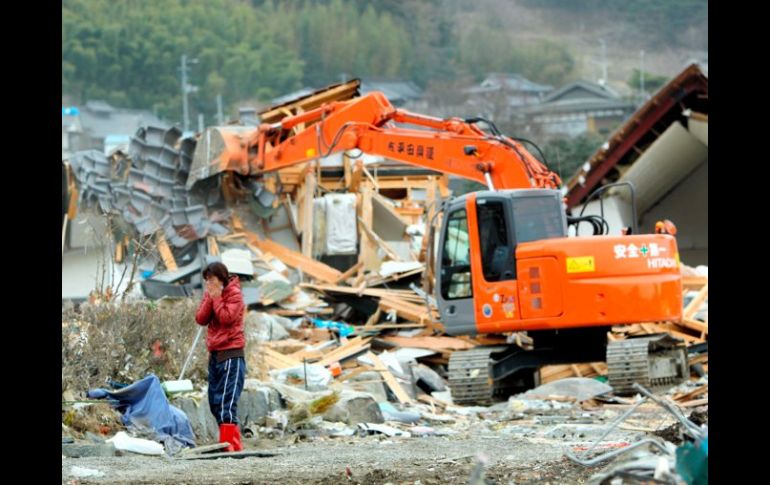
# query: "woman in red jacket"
x,y
222,309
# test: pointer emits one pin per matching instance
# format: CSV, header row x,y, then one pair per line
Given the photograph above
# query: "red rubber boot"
x,y
230,433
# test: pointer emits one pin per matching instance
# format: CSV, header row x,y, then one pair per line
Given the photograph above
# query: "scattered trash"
x,y
317,377
579,388
83,472
372,428
124,442
390,413
343,329
175,387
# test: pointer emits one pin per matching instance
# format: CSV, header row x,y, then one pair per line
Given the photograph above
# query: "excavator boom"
x,y
371,124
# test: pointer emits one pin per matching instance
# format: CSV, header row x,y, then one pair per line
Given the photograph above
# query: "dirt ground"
x,y
371,460
516,449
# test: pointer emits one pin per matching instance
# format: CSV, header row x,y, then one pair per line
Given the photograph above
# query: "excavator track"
x,y
656,362
470,377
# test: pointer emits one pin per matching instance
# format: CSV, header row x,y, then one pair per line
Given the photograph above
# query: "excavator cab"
x,y
493,224
506,264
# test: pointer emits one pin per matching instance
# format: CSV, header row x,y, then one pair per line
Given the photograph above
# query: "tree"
x,y
566,155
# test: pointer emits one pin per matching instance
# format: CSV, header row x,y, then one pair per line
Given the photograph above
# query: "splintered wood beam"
x,y
391,381
695,304
355,177
374,237
165,252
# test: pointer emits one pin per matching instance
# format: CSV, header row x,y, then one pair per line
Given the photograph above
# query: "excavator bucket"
x,y
220,149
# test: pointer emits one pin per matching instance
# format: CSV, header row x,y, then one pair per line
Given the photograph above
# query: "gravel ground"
x,y
371,460
517,447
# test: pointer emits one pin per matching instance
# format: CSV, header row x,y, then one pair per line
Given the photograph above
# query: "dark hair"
x,y
217,270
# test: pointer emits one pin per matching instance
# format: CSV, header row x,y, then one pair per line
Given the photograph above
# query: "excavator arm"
x,y
372,125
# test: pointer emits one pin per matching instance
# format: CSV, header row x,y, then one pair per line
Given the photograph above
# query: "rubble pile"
x,y
343,337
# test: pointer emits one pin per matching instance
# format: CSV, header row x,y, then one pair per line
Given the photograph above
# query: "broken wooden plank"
x,y
355,176
372,180
213,246
694,282
300,313
350,272
372,320
165,252
353,347
203,449
391,326
395,276
339,92
695,304
696,325
391,381
406,310
376,292
688,396
282,361
698,359
360,370
695,403
433,343
443,186
314,268
431,400
232,454
378,240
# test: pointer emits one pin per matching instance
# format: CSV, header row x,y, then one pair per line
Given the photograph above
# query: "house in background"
x,y
98,125
662,150
501,95
401,94
575,109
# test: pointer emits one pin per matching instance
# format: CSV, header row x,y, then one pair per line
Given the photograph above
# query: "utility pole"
x,y
220,117
186,89
641,75
200,123
604,62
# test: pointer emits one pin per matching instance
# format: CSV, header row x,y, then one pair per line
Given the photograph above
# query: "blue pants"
x,y
225,387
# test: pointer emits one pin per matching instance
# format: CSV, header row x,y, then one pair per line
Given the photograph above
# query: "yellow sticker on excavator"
x,y
580,264
310,152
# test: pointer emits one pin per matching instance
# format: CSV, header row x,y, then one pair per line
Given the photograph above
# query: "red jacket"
x,y
224,317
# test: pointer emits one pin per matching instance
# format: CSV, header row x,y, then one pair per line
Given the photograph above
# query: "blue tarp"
x,y
343,328
143,405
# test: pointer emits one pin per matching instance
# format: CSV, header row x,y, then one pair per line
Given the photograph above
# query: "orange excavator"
x,y
505,261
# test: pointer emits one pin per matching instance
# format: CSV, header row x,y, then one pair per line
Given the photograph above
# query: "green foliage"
x,y
128,53
565,155
483,50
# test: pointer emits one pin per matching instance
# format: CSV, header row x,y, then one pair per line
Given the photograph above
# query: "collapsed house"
x,y
345,239
662,151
